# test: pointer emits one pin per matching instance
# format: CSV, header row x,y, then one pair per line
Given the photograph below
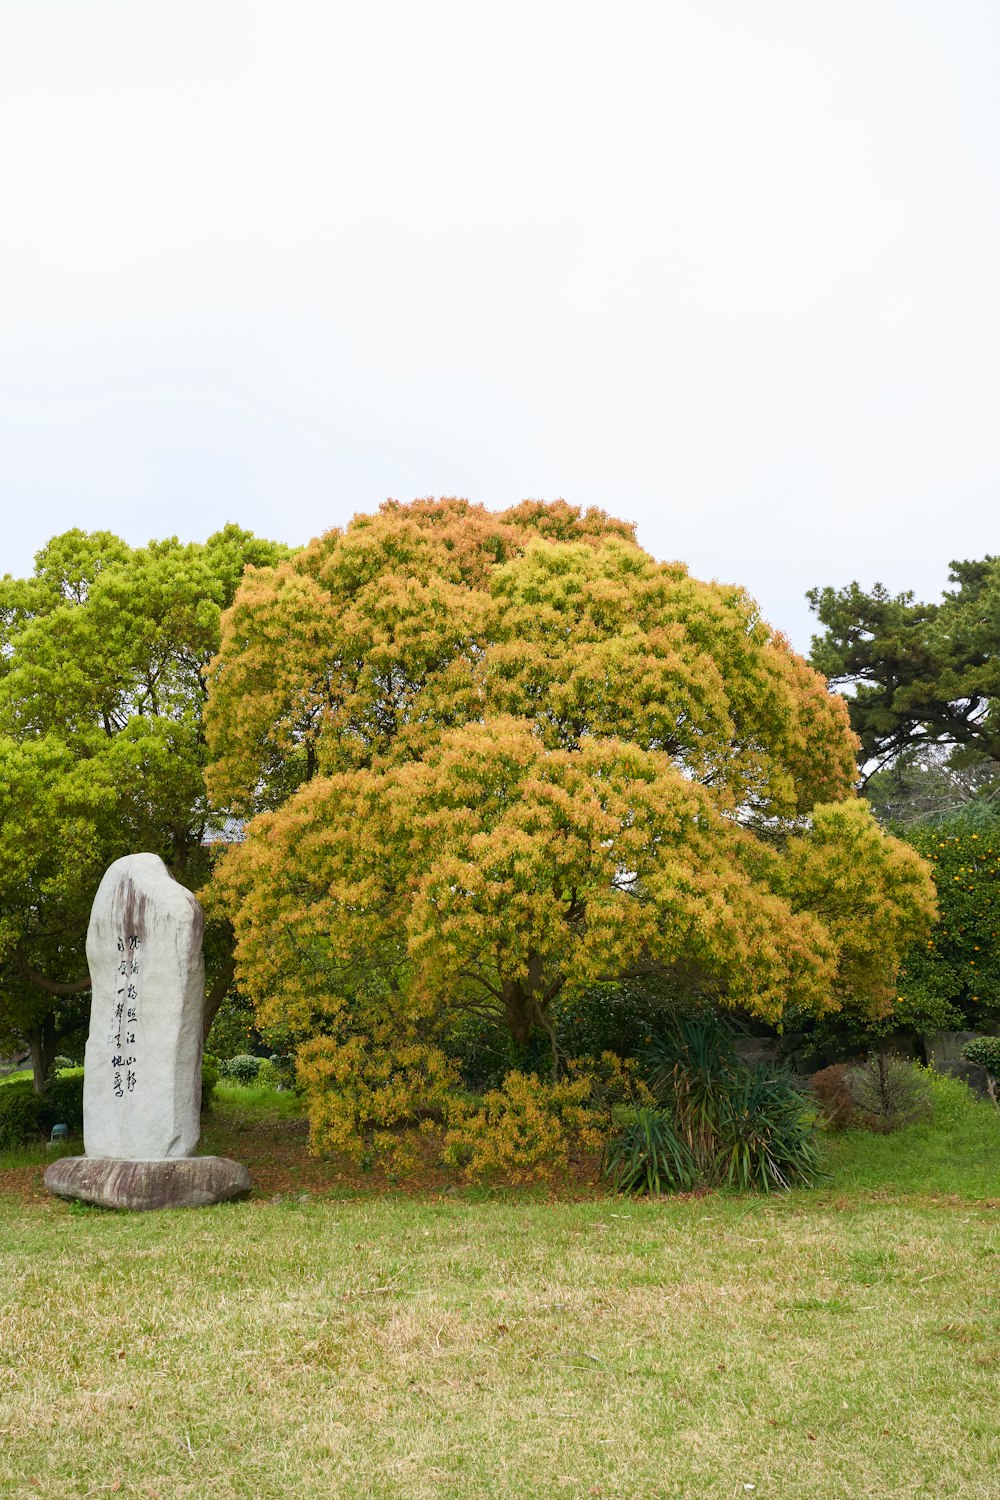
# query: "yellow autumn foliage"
x,y
525,1130
492,759
363,1087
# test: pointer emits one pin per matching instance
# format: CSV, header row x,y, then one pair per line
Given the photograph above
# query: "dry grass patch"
x,y
397,1348
836,1343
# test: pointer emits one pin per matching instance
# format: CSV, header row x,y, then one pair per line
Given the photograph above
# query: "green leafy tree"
x,y
102,653
924,699
924,677
951,978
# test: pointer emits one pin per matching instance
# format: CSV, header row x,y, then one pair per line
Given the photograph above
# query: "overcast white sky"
x,y
730,270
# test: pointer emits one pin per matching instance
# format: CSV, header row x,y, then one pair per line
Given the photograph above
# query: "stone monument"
x,y
142,1067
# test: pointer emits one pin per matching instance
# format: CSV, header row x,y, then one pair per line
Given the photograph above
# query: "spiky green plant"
x,y
719,1121
648,1156
766,1138
691,1063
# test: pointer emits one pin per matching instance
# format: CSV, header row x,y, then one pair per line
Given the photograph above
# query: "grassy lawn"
x,y
843,1342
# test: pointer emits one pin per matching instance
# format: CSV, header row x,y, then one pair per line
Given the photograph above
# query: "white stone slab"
x,y
142,1070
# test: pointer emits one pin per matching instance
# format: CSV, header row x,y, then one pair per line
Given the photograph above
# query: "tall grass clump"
x,y
717,1121
649,1156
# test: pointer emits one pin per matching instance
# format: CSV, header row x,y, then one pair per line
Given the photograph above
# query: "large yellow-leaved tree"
x,y
489,759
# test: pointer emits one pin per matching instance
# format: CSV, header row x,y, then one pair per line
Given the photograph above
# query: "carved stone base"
x,y
172,1182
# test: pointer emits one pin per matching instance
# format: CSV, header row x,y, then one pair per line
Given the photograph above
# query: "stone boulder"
x,y
142,1069
182,1182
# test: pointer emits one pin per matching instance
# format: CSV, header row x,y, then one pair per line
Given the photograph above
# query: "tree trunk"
x,y
526,1006
519,1010
218,993
43,1042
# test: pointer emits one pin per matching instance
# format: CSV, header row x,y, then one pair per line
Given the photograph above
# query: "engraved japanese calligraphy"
x,y
142,1069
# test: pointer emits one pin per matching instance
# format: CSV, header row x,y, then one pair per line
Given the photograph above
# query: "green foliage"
x,y
243,1068
931,785
746,1128
63,1097
236,1105
766,1137
272,1075
102,653
985,1051
923,674
953,1103
209,1078
692,1065
926,680
892,1090
233,1031
614,1018
482,1048
22,1113
618,1018
648,1156
951,979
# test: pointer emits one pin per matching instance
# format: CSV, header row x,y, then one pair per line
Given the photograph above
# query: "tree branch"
x,y
478,979
218,992
53,986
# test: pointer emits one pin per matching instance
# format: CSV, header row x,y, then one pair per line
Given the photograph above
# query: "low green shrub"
x,y
243,1068
63,1098
766,1136
209,1078
985,1051
692,1063
25,1114
271,1075
22,1113
719,1122
952,1100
